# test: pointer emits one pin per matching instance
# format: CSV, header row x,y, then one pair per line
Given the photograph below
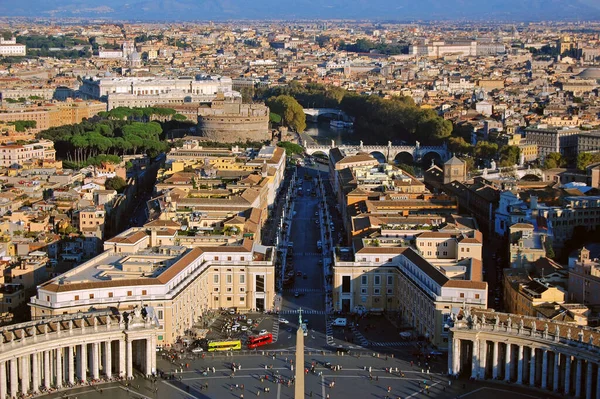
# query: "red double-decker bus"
x,y
260,340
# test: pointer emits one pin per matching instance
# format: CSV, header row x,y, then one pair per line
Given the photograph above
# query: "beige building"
x,y
450,245
53,114
526,245
19,154
147,265
522,294
382,275
584,280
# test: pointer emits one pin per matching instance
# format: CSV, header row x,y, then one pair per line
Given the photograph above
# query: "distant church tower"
x,y
128,49
455,169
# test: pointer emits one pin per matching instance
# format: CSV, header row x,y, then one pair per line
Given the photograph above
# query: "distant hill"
x,y
402,10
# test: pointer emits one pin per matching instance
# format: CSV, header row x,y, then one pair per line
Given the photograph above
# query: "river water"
x,y
322,133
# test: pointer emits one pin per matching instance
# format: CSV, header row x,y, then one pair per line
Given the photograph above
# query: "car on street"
x,y
197,350
296,294
263,332
299,274
435,353
305,276
284,321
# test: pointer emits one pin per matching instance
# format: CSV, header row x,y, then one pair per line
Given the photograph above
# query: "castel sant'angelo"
x,y
228,120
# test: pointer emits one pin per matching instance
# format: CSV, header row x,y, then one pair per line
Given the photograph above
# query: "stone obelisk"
x,y
299,374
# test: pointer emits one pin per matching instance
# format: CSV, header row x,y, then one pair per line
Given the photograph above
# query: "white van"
x,y
340,322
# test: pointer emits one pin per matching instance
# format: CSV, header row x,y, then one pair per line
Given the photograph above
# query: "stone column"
x,y
59,367
507,361
578,379
451,358
520,366
47,378
3,380
95,362
122,358
71,365
35,372
149,350
482,358
153,357
14,378
108,359
568,361
495,361
83,362
588,380
456,357
556,380
24,373
532,362
129,359
545,369
475,359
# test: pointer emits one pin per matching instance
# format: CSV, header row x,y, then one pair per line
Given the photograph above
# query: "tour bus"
x,y
224,345
260,340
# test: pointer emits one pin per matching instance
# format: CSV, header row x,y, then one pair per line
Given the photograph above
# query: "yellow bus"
x,y
224,345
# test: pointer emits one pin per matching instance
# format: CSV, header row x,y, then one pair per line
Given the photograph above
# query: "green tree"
x,y
554,160
509,155
585,159
458,145
486,150
290,110
291,148
115,183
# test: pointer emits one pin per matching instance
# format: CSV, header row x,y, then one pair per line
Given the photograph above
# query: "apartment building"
x,y
147,265
450,245
13,154
53,114
523,294
558,219
584,280
528,243
560,140
386,275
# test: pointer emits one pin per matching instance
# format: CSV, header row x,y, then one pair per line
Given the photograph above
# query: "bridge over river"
x,y
391,153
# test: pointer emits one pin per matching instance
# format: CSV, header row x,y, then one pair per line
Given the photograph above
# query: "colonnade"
x,y
527,364
60,357
526,353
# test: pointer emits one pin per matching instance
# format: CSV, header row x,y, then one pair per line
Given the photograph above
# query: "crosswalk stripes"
x,y
329,333
361,338
305,290
304,311
275,330
397,343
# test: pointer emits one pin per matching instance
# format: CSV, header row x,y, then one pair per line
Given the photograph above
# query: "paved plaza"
x,y
353,380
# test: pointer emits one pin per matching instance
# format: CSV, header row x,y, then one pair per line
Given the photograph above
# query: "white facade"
x,y
147,91
113,54
10,47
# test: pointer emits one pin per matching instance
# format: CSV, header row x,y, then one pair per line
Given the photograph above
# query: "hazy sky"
x,y
307,9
